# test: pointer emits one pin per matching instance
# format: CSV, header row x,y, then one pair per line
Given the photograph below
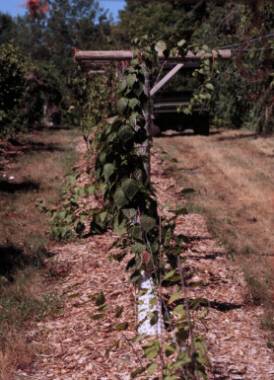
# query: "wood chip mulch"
x,y
84,342
237,345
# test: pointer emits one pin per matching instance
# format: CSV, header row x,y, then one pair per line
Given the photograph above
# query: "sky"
x,y
16,7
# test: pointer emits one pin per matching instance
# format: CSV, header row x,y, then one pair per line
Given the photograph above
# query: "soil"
x,y
87,340
94,342
231,173
224,315
32,170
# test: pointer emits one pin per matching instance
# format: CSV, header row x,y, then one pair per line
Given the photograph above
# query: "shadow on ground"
x,y
11,258
13,187
238,137
187,133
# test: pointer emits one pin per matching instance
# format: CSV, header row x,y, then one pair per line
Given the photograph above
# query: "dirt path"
x,y
92,336
229,323
232,175
32,170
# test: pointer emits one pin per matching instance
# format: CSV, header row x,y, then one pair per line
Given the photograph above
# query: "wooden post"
x,y
166,78
148,118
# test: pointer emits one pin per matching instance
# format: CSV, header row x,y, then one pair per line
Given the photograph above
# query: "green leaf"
x,y
123,85
201,351
182,333
97,316
133,118
121,326
184,359
175,297
133,103
135,277
138,248
152,368
181,43
100,299
129,213
102,157
209,86
122,105
154,318
169,349
131,80
126,134
137,233
119,198
137,372
114,120
179,311
151,351
147,223
168,276
130,188
108,170
174,52
187,191
180,211
161,47
119,228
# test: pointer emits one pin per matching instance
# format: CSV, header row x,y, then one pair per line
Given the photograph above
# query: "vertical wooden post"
x,y
148,292
148,111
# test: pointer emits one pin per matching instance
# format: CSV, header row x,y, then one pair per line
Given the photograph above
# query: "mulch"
x,y
89,342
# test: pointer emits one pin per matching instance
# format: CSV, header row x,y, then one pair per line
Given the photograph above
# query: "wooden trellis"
x,y
97,62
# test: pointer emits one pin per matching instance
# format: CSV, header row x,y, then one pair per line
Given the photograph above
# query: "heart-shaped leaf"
x,y
108,170
130,188
119,198
147,223
122,105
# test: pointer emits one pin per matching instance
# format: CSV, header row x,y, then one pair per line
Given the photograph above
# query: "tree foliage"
x,y
12,82
243,92
238,98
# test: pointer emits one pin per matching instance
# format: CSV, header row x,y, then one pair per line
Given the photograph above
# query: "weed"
x,y
24,238
19,303
193,208
67,222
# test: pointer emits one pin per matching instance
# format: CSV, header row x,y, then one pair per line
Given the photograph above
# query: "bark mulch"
x,y
86,342
230,323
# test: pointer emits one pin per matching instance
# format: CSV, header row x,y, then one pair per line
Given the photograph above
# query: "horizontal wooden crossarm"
x,y
84,56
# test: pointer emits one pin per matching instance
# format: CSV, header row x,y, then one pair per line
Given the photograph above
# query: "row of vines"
x,y
117,121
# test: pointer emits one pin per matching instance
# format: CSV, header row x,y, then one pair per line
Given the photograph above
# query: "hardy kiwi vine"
x,y
123,167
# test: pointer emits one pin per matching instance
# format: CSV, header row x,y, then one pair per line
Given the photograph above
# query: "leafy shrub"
x,y
42,97
12,82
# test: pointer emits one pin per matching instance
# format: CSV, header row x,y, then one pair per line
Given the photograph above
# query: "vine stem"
x,y
186,305
139,359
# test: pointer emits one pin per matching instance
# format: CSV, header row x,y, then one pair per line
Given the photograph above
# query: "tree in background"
x,y
243,90
241,98
12,83
169,20
46,37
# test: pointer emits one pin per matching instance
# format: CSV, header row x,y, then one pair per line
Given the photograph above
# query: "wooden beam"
x,y
103,55
166,78
82,56
91,72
